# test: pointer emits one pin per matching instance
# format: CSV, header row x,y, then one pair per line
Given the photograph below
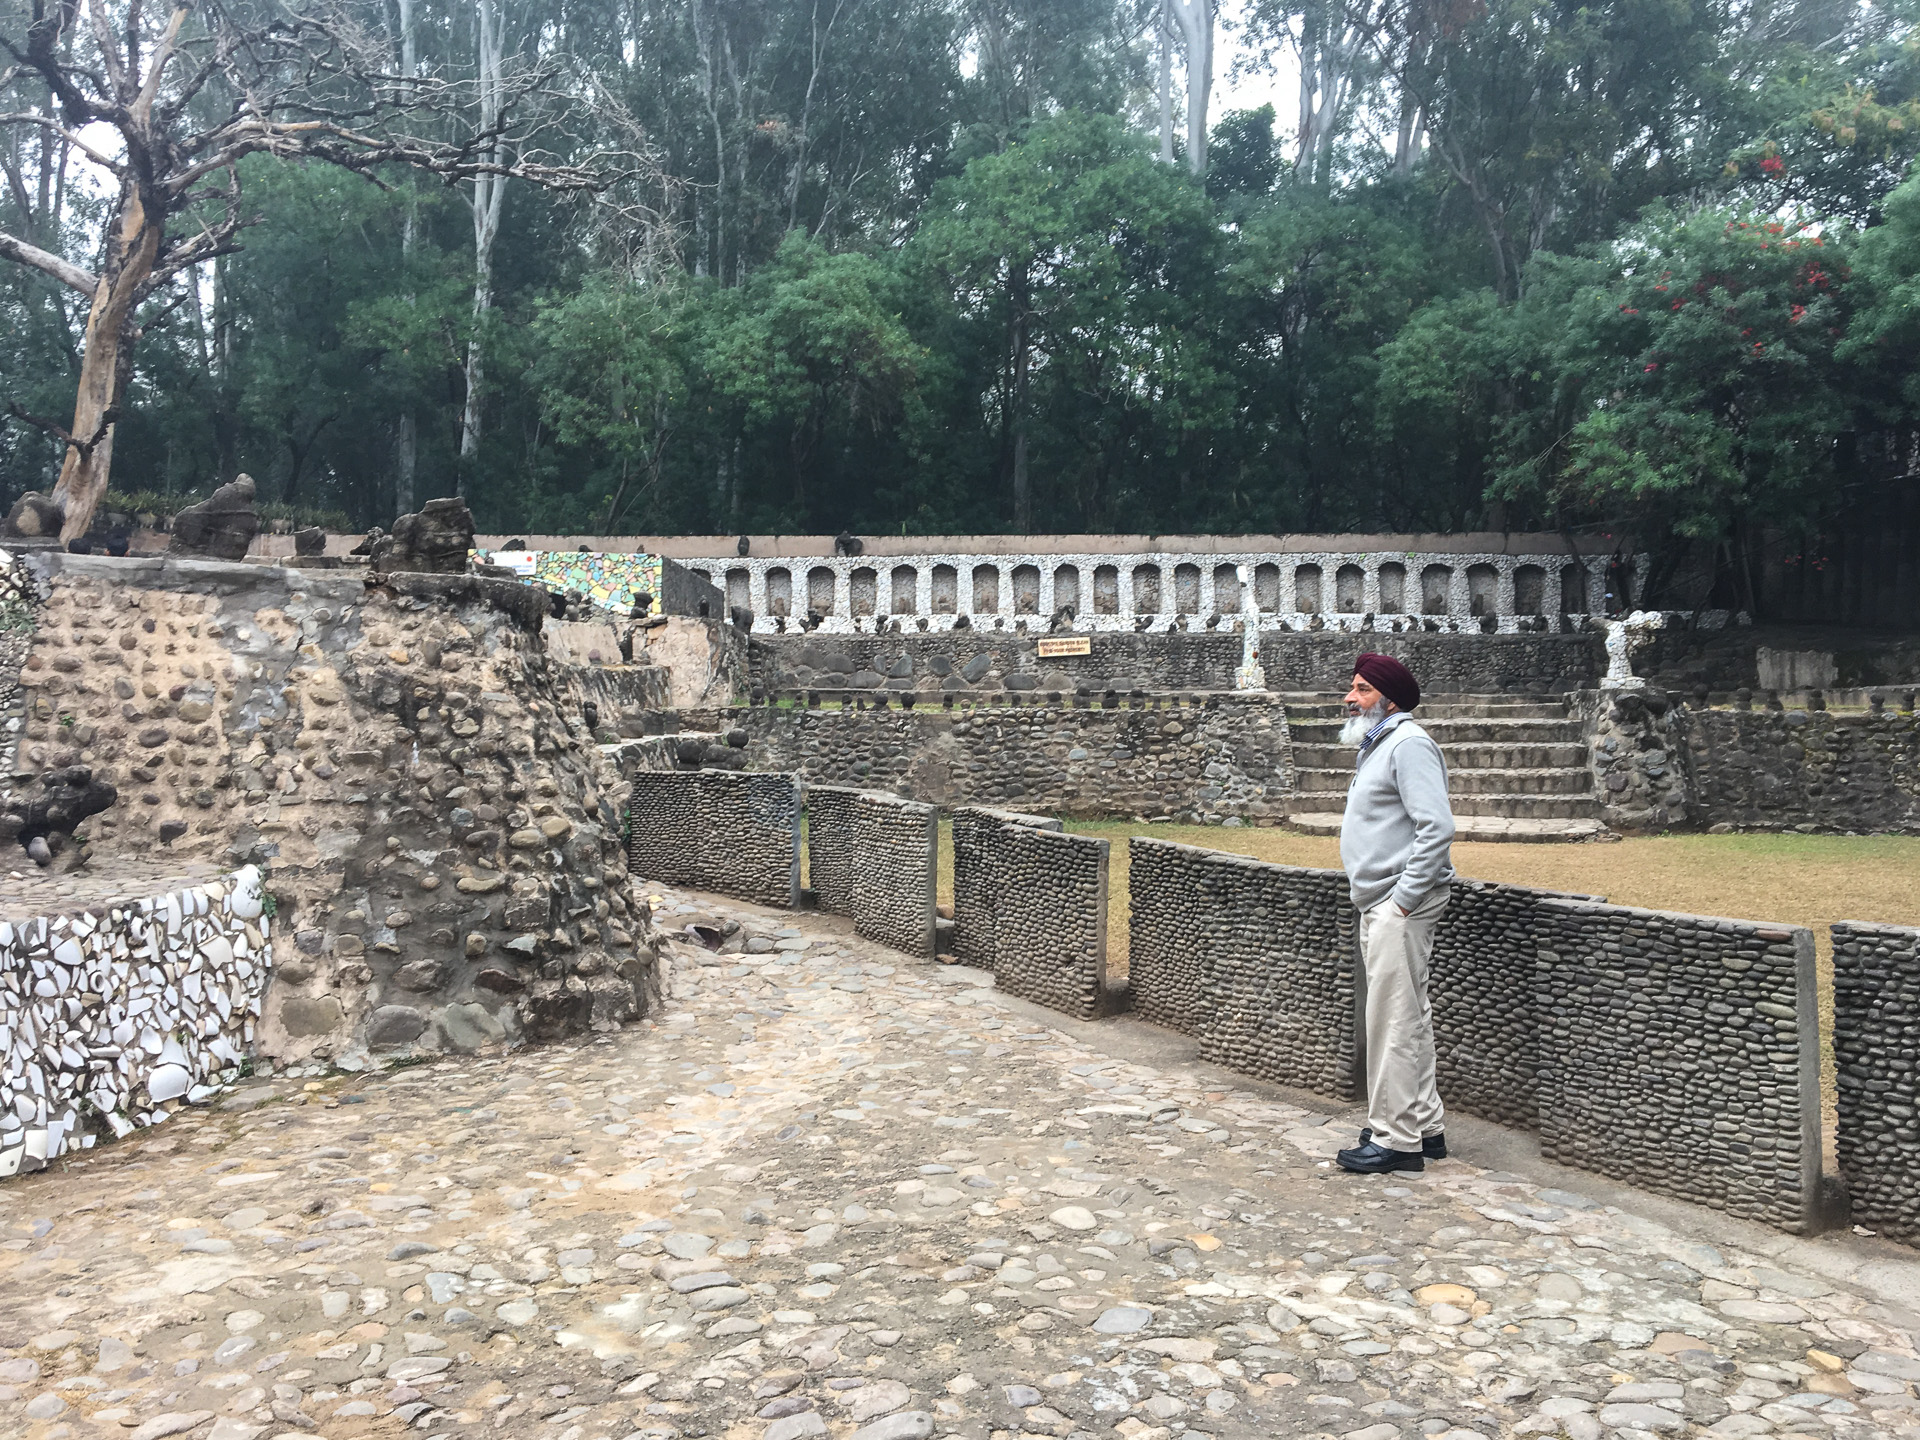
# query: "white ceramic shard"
x,y
167,1082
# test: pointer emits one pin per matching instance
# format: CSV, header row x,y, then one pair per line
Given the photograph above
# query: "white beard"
x,y
1354,732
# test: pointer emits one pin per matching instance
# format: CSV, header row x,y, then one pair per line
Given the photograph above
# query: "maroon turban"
x,y
1390,678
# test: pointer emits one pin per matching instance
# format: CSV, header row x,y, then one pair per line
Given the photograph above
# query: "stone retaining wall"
x,y
964,662
1681,1053
975,833
716,830
112,1014
443,836
1254,960
1225,757
1776,769
1876,1052
876,858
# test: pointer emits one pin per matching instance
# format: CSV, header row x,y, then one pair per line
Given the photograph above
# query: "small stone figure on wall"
x,y
221,526
436,541
43,827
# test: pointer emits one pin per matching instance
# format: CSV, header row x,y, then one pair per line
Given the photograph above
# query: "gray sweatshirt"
x,y
1398,825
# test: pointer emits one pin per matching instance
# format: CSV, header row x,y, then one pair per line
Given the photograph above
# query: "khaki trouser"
x,y
1403,1106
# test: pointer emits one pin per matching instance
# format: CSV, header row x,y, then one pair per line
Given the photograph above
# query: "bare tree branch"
x,y
67,274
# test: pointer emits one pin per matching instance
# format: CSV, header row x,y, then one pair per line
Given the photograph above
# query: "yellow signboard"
x,y
1066,645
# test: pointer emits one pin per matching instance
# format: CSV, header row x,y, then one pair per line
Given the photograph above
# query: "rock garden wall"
x,y
1676,1052
971,661
1775,769
1876,1052
1035,902
974,883
442,838
1681,1053
715,830
114,1009
879,859
1226,757
1254,960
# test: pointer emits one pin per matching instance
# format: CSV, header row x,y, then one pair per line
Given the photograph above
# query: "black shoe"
x,y
1372,1159
1434,1147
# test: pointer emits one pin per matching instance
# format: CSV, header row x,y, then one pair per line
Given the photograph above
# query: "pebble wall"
x,y
1255,960
832,862
975,830
715,830
1050,918
1481,983
1225,757
111,1015
878,858
1681,1053
1876,1051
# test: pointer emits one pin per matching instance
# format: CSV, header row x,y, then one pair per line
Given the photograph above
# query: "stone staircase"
x,y
1517,768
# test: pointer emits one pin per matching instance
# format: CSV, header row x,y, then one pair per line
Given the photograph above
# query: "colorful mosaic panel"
x,y
610,581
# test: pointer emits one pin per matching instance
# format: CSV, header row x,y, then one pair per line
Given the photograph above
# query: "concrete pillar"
x,y
1504,602
1006,591
923,585
1459,603
1369,584
1208,601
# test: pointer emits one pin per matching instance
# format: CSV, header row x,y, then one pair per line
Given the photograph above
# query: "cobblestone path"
x,y
837,1193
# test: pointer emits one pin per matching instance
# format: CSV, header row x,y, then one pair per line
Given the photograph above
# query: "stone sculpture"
x,y
434,541
221,526
311,541
34,516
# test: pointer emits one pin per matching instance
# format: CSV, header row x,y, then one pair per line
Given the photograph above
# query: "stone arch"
x,y
1146,589
1066,588
1529,590
779,592
1306,589
905,584
1186,589
1026,589
1266,587
821,583
1226,589
1573,590
986,590
863,590
1436,590
1393,588
1483,590
946,590
1349,590
739,589
1106,590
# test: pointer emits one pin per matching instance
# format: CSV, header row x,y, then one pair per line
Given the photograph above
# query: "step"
x,y
1475,755
1448,732
1544,780
1486,828
1527,807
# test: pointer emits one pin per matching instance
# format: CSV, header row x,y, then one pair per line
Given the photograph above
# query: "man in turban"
x,y
1394,845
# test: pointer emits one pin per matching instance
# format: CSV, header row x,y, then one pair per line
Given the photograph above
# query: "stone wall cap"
x,y
1229,857
1759,929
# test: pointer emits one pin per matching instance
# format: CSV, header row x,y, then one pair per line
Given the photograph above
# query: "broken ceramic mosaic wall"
x,y
111,1016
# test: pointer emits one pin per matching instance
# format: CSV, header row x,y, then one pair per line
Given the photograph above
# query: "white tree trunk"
x,y
1166,84
488,193
406,440
1196,28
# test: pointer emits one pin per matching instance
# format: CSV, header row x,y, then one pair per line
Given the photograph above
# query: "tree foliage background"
x,y
1646,265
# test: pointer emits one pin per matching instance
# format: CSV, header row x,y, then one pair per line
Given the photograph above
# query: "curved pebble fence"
x,y
876,858
717,830
975,828
1050,919
1876,1051
110,1016
1253,959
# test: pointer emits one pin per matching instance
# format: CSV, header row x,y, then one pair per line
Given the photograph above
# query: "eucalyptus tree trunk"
x,y
489,190
1196,28
1166,84
407,439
